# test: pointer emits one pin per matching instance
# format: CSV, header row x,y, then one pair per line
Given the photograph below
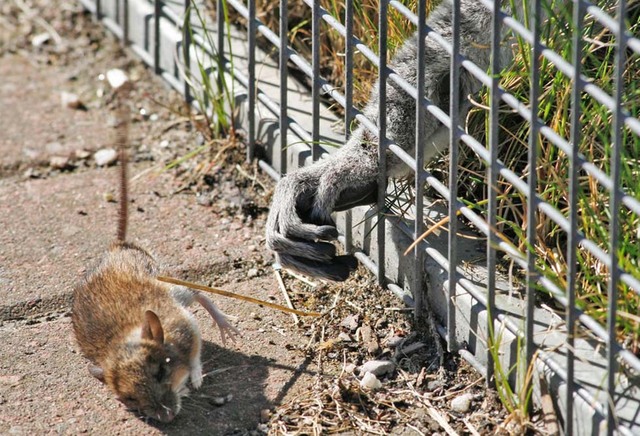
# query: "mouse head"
x,y
147,374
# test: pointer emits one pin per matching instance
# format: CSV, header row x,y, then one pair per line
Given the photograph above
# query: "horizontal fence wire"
x,y
625,43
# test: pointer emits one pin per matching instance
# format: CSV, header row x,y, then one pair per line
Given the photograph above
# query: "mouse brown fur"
x,y
141,340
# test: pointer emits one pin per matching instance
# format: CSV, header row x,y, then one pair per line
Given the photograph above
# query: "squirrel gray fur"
x,y
300,226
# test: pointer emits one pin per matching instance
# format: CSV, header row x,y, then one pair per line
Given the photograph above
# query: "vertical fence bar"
x,y
574,187
284,56
617,146
99,9
348,110
125,24
454,139
220,21
382,139
251,92
492,187
186,51
315,89
418,251
157,6
532,203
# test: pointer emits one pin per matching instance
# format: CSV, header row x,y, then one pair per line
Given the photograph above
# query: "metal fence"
x,y
592,374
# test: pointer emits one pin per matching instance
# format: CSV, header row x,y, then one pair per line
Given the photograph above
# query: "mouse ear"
x,y
152,329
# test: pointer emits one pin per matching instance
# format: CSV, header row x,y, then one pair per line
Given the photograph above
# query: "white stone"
x,y
378,367
462,403
116,78
370,381
105,157
59,162
82,154
40,39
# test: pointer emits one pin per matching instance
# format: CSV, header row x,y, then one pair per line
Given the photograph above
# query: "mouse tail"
x,y
122,144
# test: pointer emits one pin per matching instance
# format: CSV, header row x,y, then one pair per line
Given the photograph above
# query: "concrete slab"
x,y
54,227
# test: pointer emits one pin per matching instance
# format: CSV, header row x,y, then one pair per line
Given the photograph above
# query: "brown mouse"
x,y
141,340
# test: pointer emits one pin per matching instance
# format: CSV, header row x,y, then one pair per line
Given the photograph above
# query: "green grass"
x,y
211,90
553,166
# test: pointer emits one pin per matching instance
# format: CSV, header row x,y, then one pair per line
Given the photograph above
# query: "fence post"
x,y
251,94
382,138
617,146
574,187
157,6
454,138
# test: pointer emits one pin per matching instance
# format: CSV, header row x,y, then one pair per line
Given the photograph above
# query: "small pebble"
x,y
106,156
462,403
59,162
40,39
350,368
351,322
153,117
70,100
369,339
164,144
253,272
370,381
394,341
344,337
254,315
116,78
378,367
82,154
218,401
32,173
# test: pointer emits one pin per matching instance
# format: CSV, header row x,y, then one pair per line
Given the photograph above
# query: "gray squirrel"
x,y
300,227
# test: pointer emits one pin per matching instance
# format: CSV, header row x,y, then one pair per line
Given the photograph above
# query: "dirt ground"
x,y
204,221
